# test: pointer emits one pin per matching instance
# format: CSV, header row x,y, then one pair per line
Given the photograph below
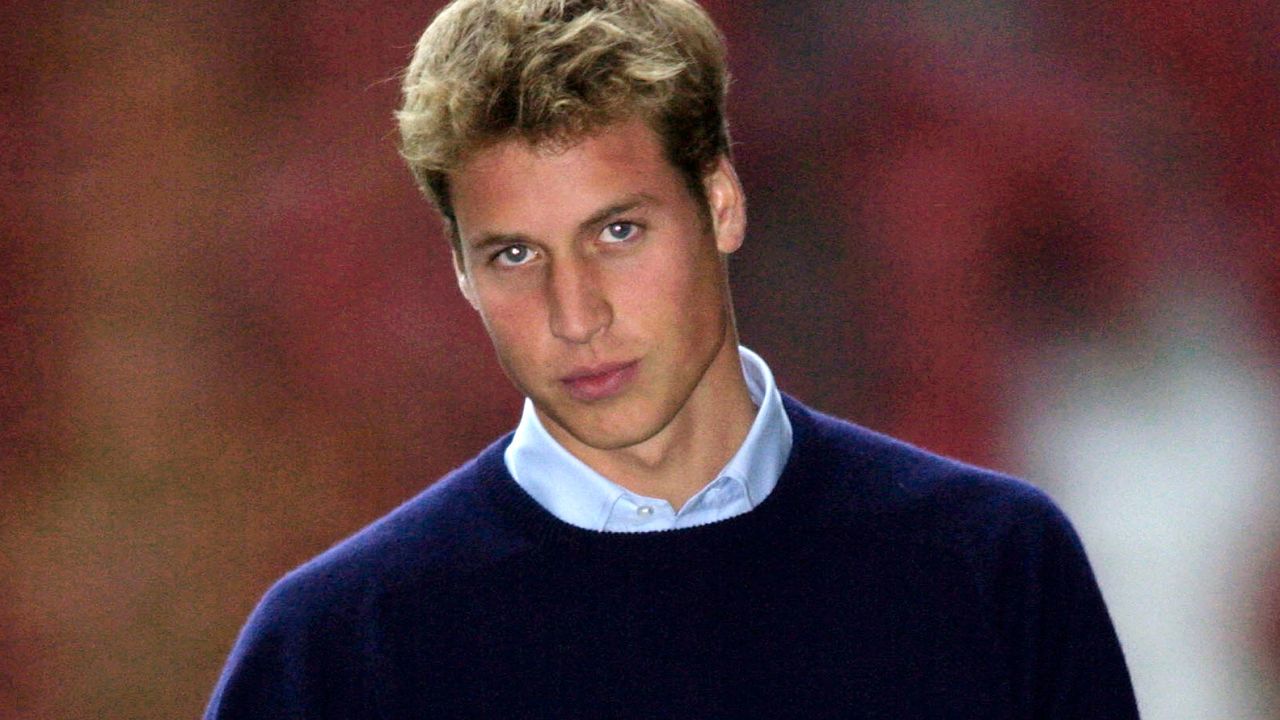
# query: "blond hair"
x,y
552,71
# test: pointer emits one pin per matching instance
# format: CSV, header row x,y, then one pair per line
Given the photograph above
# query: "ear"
x,y
728,206
464,280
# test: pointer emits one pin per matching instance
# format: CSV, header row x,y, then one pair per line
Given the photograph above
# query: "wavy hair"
x,y
552,71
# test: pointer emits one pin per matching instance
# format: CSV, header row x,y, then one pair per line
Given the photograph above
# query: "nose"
x,y
576,302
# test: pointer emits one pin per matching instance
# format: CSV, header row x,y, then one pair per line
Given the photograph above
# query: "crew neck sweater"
x,y
875,581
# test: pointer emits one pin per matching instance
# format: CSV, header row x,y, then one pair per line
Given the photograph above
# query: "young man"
x,y
664,534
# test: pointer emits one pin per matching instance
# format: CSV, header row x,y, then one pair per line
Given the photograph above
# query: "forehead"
x,y
514,186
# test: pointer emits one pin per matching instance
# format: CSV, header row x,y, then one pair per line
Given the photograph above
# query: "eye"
x,y
513,255
619,232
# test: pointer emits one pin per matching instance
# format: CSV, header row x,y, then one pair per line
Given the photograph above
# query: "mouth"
x,y
599,382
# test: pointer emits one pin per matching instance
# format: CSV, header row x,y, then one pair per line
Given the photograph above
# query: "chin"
x,y
605,430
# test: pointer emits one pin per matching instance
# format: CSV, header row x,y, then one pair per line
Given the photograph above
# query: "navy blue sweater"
x,y
876,581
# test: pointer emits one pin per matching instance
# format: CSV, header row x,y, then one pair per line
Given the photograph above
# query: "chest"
x,y
855,631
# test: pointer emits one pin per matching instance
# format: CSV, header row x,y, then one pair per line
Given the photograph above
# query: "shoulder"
x,y
449,532
301,653
1000,542
453,526
875,479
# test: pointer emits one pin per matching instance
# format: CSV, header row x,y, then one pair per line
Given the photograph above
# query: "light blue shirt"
x,y
580,496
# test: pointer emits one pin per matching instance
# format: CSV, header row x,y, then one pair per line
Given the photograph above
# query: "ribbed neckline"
x,y
790,501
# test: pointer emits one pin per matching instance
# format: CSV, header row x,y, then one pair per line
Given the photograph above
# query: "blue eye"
x,y
513,255
619,232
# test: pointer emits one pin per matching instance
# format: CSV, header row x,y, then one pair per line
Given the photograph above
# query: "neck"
x,y
689,451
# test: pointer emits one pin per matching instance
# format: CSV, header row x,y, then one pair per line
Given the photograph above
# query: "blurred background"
x,y
1039,236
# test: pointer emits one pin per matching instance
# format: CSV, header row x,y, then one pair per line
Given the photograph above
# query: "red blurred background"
x,y
1040,236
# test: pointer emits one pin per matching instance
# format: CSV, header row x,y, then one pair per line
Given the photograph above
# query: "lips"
x,y
599,382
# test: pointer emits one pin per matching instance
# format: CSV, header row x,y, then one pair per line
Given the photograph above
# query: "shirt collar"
x,y
573,492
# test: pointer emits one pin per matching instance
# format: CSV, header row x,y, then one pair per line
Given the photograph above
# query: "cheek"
x,y
679,296
511,327
675,277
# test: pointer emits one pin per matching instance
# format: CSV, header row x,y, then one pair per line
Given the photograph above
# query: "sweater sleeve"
x,y
1067,660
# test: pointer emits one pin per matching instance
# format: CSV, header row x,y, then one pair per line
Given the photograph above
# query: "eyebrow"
x,y
624,205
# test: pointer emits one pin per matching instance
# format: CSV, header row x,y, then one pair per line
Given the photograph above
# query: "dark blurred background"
x,y
1040,236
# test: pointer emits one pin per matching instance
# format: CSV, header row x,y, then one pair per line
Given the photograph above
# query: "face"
x,y
601,282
